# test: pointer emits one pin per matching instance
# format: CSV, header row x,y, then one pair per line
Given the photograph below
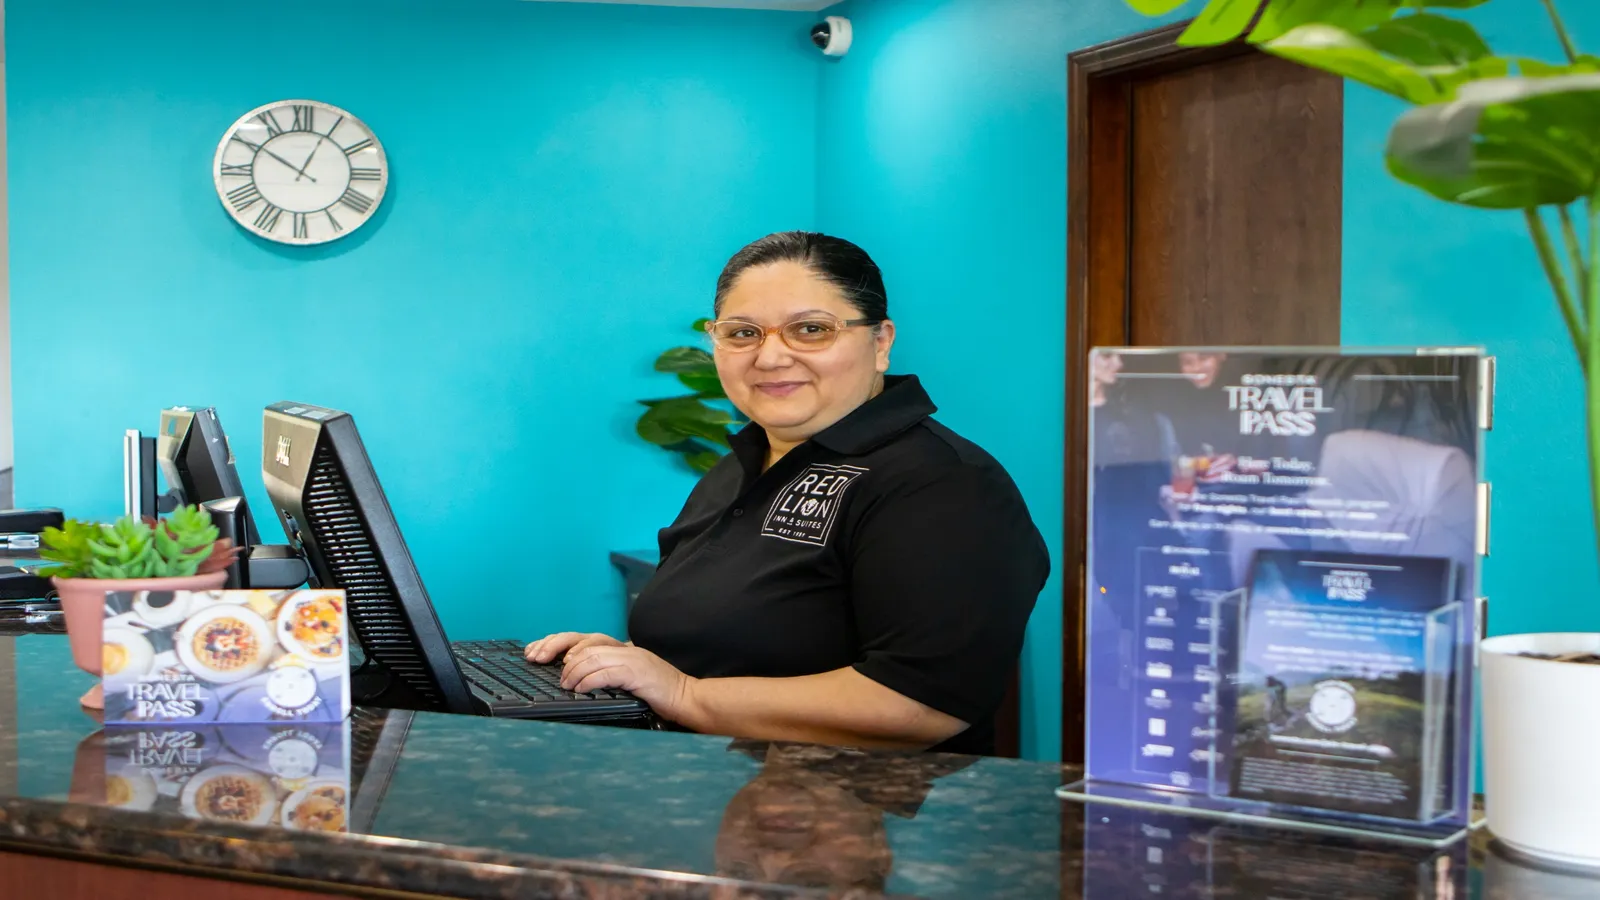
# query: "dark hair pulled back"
x,y
841,263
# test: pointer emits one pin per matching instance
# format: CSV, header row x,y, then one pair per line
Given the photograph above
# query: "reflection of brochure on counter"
x,y
292,776
1201,458
1343,682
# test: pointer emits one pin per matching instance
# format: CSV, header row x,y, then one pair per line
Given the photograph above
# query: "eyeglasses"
x,y
803,335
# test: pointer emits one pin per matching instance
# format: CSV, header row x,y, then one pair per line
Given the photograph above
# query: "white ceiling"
x,y
726,4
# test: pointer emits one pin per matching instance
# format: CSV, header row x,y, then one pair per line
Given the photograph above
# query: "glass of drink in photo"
x,y
1183,480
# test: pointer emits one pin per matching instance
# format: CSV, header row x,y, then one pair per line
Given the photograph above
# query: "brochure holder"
x,y
1281,585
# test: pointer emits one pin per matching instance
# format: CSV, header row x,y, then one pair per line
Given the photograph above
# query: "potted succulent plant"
x,y
180,553
1499,133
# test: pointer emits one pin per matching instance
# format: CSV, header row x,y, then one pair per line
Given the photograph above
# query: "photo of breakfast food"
x,y
225,656
230,794
125,655
130,787
287,776
224,643
312,623
317,807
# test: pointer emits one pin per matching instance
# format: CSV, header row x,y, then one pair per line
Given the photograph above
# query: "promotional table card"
x,y
1341,690
225,656
290,776
1201,457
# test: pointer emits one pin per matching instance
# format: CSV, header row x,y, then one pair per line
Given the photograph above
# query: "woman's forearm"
x,y
838,707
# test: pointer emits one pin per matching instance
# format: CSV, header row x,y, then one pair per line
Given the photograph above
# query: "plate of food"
x,y
312,624
224,643
125,655
319,806
230,794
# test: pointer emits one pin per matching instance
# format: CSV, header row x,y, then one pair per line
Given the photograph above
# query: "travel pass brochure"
x,y
225,656
293,776
1344,666
1201,458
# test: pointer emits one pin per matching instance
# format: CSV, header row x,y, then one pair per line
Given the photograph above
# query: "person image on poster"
x,y
1132,452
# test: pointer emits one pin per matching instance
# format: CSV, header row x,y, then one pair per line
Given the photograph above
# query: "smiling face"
x,y
1201,368
794,394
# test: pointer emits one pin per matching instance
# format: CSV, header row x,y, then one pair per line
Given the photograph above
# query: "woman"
x,y
853,572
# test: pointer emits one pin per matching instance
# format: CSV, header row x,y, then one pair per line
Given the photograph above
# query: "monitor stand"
x,y
261,566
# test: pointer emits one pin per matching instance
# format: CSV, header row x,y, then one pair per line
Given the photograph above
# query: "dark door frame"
x,y
1099,179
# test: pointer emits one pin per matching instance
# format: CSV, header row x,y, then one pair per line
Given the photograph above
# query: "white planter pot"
x,y
1541,747
1519,879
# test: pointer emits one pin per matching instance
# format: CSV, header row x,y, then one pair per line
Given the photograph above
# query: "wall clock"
x,y
300,172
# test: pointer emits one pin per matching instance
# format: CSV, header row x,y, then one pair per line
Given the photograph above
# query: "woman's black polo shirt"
x,y
887,542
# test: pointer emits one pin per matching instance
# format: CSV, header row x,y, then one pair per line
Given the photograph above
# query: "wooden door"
x,y
1205,189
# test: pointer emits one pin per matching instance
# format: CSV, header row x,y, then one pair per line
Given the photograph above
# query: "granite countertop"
x,y
472,807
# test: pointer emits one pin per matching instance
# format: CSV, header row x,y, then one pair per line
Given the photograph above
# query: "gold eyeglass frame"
x,y
780,330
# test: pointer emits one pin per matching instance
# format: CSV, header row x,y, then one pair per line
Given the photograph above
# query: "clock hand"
x,y
309,159
262,148
284,161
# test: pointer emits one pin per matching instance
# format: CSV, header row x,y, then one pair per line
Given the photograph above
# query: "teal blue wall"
x,y
567,181
943,151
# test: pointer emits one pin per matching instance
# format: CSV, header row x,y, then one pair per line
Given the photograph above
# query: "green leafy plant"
x,y
687,424
1487,131
184,544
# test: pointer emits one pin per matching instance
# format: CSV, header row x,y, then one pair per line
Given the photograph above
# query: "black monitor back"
x,y
334,512
193,452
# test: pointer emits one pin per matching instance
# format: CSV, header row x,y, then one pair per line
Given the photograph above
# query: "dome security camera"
x,y
832,36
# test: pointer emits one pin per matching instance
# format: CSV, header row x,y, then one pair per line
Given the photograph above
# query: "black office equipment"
x,y
30,521
20,584
139,497
193,452
228,517
264,567
334,511
197,462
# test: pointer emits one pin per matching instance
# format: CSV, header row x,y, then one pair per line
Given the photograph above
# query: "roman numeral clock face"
x,y
301,172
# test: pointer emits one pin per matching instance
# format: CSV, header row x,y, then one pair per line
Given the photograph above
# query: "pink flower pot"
x,y
83,601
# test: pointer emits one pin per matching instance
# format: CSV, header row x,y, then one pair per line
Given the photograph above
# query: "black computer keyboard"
x,y
510,685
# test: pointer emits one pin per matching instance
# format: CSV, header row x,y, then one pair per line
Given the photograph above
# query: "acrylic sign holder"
x,y
1341,704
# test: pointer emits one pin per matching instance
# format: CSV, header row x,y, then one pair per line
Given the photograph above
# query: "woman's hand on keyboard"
x,y
632,669
552,647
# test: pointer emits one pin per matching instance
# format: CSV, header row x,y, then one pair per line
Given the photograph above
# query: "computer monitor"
x,y
334,511
193,452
